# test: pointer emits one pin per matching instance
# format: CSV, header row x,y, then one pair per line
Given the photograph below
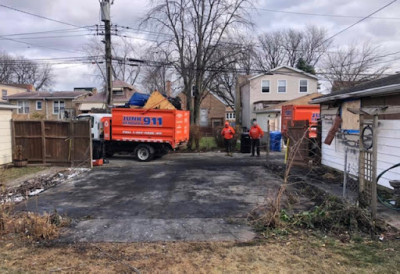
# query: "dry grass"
x,y
30,226
12,173
297,254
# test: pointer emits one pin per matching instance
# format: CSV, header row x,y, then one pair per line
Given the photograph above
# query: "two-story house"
x,y
276,86
46,105
121,93
12,89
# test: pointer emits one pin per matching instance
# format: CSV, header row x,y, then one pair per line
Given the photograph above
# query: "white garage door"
x,y
5,136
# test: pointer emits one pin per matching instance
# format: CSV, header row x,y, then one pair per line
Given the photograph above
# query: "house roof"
x,y
382,86
121,84
101,97
8,106
284,67
48,95
300,101
21,86
211,93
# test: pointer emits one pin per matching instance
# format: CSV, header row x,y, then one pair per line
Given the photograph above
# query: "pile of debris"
x,y
36,185
153,101
322,211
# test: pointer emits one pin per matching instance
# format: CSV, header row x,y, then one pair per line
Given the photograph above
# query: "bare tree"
x,y
314,45
28,72
157,71
350,66
287,47
6,68
122,69
292,44
197,28
20,70
271,53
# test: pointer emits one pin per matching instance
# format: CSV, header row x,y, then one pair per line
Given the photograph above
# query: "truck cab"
x,y
95,122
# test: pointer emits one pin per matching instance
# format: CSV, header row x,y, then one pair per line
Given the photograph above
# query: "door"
x,y
204,117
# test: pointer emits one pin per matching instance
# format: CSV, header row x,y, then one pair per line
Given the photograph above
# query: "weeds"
x,y
30,226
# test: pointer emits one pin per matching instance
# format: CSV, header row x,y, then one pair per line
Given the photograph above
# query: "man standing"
x,y
256,133
228,132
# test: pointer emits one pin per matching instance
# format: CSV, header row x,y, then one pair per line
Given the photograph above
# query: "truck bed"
x,y
151,125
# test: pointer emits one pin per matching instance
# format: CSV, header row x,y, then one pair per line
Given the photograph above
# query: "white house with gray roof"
x,y
276,86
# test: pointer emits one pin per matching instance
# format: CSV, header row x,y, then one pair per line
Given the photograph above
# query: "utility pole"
x,y
105,6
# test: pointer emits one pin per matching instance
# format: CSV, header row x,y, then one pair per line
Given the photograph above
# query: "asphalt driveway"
x,y
193,197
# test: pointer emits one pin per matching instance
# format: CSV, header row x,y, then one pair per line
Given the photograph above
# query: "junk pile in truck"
x,y
148,126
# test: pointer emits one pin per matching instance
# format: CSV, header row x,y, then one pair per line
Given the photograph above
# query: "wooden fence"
x,y
297,135
54,142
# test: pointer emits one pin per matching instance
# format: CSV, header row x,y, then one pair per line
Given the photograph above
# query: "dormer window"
x,y
118,92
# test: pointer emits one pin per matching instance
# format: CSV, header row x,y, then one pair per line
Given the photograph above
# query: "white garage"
x,y
5,133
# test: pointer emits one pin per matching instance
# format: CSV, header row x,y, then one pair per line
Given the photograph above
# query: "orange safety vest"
x,y
228,132
256,132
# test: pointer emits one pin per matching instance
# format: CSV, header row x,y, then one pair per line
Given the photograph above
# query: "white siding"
x,y
292,79
5,136
388,148
275,121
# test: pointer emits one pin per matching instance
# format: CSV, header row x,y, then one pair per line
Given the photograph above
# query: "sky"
x,y
268,15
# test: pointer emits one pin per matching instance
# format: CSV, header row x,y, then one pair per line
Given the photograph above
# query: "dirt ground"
x,y
296,253
276,251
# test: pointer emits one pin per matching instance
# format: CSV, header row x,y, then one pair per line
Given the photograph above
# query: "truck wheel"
x,y
144,153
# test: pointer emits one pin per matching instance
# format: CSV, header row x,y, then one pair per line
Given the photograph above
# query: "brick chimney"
x,y
168,88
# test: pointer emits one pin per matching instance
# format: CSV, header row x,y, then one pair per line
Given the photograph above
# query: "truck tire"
x,y
144,153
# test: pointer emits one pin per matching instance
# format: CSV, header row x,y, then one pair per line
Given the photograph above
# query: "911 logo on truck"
x,y
142,121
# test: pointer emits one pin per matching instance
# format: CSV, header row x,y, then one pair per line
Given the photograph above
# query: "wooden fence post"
x,y
268,138
374,166
72,143
361,160
43,134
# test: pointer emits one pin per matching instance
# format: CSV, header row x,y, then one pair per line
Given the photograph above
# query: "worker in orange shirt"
x,y
256,133
228,132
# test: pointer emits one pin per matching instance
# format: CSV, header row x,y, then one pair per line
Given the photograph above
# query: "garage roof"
x,y
8,106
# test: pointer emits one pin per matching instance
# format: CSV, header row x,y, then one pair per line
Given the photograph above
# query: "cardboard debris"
x,y
158,101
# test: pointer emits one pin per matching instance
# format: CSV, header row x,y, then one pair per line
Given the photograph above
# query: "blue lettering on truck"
x,y
142,121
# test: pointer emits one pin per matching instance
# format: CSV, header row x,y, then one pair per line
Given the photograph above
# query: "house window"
x,y
23,107
118,92
265,86
230,116
303,86
38,105
58,107
4,94
281,85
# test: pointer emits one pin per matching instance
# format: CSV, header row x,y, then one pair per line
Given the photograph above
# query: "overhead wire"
x,y
358,22
39,16
322,15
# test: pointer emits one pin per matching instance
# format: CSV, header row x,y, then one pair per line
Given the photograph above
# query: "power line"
x,y
39,16
324,15
79,29
359,21
34,45
48,37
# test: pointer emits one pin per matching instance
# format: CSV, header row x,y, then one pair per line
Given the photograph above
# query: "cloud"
x,y
128,12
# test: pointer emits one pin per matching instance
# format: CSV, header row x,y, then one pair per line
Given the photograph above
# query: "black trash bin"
x,y
245,143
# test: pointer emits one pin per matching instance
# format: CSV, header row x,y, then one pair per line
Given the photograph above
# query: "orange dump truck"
x,y
146,133
291,113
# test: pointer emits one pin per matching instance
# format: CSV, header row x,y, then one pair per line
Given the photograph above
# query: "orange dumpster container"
x,y
291,113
